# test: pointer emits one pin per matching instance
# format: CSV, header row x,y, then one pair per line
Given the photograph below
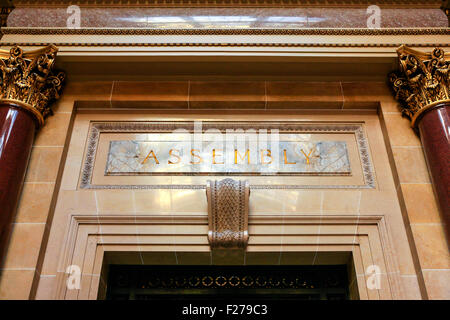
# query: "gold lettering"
x,y
247,154
285,159
307,156
214,157
197,156
150,154
174,155
268,154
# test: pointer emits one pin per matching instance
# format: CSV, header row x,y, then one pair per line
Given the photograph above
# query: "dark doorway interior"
x,y
128,282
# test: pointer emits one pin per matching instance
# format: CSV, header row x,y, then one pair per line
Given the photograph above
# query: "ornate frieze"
x,y
229,31
27,80
227,3
422,81
228,44
228,206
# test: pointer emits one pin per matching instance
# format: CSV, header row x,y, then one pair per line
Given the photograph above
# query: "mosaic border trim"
x,y
229,3
217,31
96,128
223,44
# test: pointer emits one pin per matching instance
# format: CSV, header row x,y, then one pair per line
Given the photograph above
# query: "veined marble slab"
x,y
161,156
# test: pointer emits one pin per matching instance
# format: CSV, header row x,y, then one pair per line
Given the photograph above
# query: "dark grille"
x,y
216,282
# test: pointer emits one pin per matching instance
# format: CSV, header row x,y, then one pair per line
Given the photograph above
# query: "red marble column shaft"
x,y
434,128
17,130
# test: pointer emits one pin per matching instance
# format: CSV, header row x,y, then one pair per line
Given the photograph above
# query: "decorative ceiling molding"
x,y
231,3
223,44
305,31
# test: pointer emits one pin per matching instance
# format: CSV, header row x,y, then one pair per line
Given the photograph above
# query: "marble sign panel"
x,y
186,154
175,154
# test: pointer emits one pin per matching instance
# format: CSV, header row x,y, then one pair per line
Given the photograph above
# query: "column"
x,y
28,87
422,87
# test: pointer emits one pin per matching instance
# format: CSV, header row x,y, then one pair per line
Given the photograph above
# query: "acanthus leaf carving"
x,y
422,81
27,79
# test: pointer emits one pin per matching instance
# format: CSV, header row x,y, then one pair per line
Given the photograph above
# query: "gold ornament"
x,y
27,80
422,82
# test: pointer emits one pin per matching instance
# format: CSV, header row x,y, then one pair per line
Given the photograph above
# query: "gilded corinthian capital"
x,y
422,81
27,80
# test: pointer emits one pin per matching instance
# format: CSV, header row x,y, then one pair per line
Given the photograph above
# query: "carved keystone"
x,y
228,206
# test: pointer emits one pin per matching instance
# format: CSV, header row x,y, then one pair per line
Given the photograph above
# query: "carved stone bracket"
x,y
228,207
422,81
27,81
